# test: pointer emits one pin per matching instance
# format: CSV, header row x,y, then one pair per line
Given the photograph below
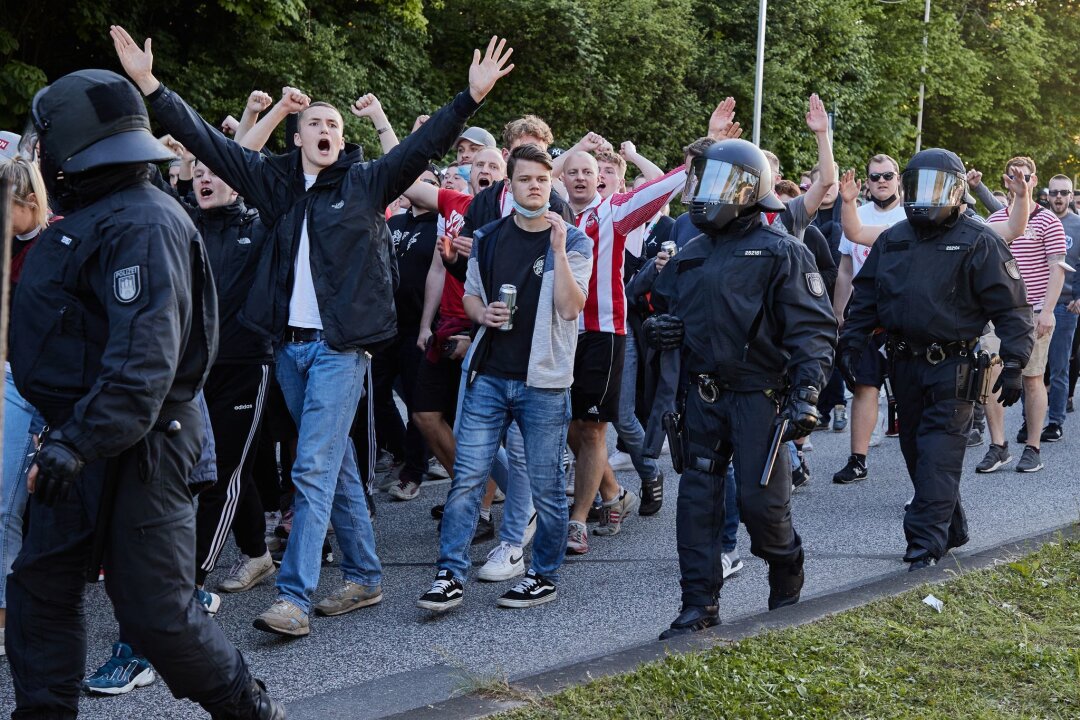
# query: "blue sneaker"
x,y
211,602
123,672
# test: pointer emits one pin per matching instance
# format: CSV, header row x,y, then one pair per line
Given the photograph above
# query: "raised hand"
x,y
733,132
137,63
628,150
420,120
1016,184
292,100
721,119
258,101
817,119
367,106
485,71
974,177
849,189
590,142
229,125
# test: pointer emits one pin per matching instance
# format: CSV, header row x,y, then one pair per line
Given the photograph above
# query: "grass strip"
x,y
1006,645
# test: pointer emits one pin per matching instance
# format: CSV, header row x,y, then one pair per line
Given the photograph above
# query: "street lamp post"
x,y
759,75
922,81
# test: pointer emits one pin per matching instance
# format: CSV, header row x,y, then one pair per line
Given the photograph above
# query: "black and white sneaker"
x,y
532,590
854,471
445,593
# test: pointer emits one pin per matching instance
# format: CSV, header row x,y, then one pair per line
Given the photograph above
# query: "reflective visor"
x,y
715,181
927,187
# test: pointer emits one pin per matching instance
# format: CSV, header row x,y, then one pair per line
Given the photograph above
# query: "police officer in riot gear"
x,y
746,307
115,328
933,282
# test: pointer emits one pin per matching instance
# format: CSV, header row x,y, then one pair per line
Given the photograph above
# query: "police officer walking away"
x,y
115,330
747,308
933,281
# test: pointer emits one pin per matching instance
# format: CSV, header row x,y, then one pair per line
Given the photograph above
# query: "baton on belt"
x,y
774,450
171,428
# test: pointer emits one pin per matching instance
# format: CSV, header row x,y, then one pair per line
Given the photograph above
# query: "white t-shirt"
x,y
304,305
869,215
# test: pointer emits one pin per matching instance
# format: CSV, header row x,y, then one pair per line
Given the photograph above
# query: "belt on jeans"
x,y
934,353
302,335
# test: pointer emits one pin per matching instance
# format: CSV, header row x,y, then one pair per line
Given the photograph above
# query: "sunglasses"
x,y
1060,193
886,176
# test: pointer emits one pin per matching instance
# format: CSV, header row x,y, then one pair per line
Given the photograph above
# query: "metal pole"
x,y
922,81
759,75
5,285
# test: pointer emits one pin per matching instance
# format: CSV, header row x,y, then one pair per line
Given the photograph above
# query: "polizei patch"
x,y
127,284
815,284
1013,269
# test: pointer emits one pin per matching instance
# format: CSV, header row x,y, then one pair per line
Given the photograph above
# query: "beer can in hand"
x,y
670,248
508,295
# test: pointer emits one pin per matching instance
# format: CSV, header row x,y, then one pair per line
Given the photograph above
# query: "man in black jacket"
x,y
324,296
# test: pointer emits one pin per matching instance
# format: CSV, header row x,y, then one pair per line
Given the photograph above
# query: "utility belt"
x,y
710,385
934,353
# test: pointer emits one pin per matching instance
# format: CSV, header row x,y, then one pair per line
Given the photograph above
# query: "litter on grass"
x,y
934,602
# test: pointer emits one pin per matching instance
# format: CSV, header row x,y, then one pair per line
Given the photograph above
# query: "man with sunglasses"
x,y
1065,311
1039,253
865,383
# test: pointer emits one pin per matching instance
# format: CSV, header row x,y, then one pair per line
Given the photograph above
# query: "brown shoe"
x,y
283,618
350,597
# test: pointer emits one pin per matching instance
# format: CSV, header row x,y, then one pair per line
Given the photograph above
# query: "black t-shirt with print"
x,y
519,261
414,244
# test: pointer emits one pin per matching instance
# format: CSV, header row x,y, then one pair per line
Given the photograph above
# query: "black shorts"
x,y
870,369
437,387
598,368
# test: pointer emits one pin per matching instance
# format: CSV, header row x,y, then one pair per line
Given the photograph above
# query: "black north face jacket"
x,y
351,263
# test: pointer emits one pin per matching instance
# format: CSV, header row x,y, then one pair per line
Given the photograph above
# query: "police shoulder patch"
x,y
127,284
815,284
1012,268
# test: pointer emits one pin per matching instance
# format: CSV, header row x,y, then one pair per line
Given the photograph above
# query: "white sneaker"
x,y
436,470
732,563
503,563
620,461
247,572
3,652
570,480
530,530
877,436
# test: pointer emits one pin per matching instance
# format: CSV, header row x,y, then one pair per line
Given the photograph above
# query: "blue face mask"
x,y
525,212
464,171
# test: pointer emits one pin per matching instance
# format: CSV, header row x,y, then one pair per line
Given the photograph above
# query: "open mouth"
x,y
580,187
601,185
324,145
206,192
483,182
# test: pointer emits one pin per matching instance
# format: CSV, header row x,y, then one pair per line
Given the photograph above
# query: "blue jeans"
x,y
627,426
21,422
1057,363
728,540
510,473
322,388
543,415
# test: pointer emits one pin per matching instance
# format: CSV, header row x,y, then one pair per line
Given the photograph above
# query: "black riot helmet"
x,y
934,184
90,119
731,179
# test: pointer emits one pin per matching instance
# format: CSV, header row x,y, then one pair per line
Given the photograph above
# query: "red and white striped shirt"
x,y
1043,239
610,224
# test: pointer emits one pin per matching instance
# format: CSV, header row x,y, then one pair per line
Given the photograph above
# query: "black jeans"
x,y
396,366
934,427
149,565
739,423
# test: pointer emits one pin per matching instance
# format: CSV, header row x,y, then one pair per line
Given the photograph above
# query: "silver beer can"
x,y
508,295
670,248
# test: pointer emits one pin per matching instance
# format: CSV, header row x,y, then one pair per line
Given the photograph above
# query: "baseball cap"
x,y
9,144
477,135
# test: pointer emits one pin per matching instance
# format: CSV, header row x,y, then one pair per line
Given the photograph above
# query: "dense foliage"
x,y
1001,74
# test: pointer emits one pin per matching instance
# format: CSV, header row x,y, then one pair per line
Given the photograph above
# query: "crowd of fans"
x,y
506,416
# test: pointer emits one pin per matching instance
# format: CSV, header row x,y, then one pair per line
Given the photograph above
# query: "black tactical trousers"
x,y
739,423
149,563
933,437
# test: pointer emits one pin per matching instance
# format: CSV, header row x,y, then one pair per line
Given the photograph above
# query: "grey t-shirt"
x,y
1071,289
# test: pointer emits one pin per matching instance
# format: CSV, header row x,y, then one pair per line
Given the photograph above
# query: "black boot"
x,y
691,619
785,583
918,558
253,703
652,495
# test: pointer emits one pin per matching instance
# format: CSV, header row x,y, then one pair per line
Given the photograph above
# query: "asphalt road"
x,y
393,657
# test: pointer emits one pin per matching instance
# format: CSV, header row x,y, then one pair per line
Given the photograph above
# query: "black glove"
x,y
847,359
58,465
663,332
801,412
1010,382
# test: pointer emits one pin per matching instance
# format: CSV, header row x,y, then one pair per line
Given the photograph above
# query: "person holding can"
x,y
538,267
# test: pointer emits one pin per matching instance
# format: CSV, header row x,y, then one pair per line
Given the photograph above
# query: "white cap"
x,y
9,144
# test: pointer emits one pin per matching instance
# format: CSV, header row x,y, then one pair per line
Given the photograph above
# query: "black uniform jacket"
x,y
115,315
941,286
350,252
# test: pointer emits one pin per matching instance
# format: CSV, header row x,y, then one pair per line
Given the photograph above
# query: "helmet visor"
x,y
716,181
927,187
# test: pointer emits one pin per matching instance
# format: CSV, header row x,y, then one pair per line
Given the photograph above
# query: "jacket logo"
x,y
127,284
538,266
338,205
243,241
815,284
1012,268
65,240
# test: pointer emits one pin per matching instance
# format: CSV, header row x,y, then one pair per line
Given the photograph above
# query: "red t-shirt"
x,y
452,207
